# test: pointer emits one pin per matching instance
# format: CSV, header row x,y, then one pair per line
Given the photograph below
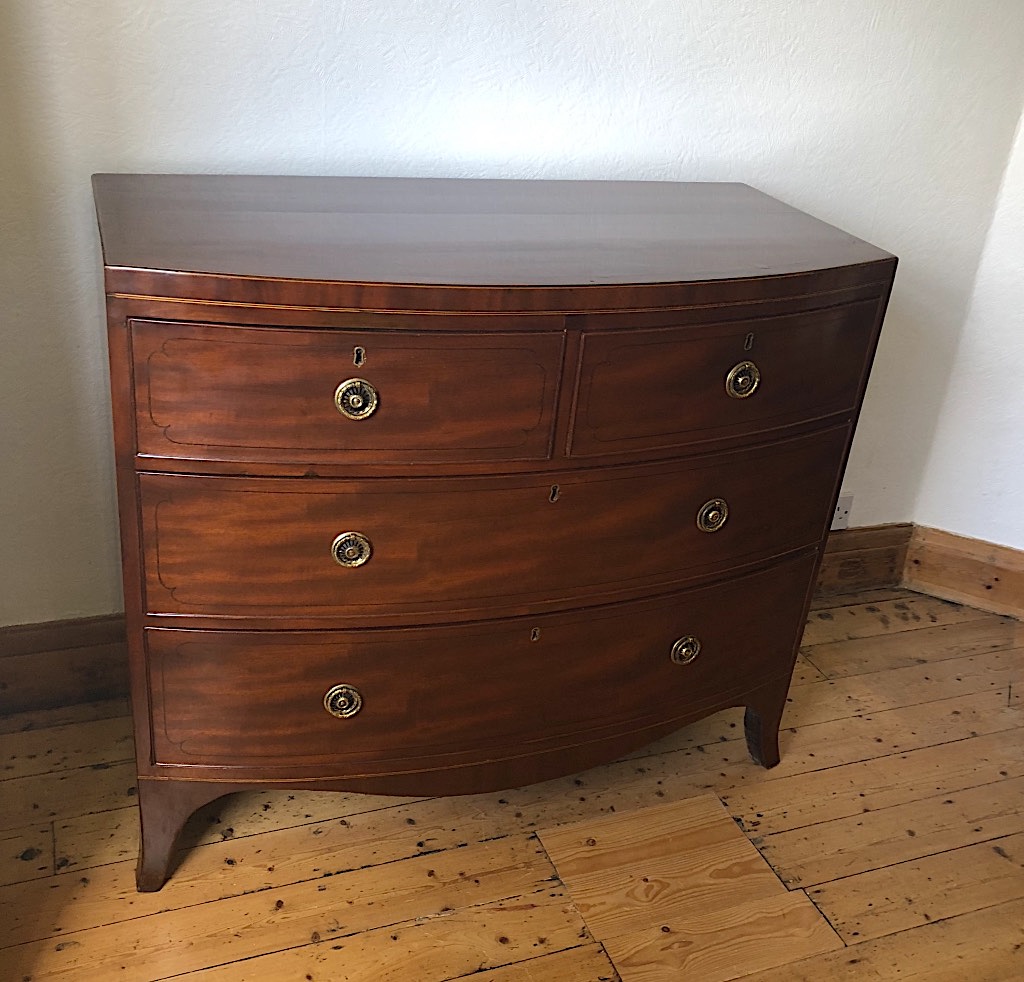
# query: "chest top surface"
x,y
436,231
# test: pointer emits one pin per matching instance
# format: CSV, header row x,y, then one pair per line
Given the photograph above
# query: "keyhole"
x,y
358,356
535,634
555,492
748,341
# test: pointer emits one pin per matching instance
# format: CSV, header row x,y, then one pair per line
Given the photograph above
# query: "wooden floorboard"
x,y
889,843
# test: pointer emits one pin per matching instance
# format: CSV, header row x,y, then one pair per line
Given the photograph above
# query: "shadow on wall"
x,y
59,556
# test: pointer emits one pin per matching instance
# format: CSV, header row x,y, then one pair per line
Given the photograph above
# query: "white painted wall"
x,y
974,481
893,120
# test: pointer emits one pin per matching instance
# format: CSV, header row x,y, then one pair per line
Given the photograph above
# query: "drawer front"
x,y
447,549
452,696
669,387
260,394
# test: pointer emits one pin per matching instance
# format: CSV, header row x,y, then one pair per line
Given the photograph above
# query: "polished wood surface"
x,y
664,388
264,394
421,719
885,737
552,364
446,549
486,233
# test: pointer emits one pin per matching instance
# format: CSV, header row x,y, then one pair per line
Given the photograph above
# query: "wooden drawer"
x,y
641,390
450,549
262,394
449,697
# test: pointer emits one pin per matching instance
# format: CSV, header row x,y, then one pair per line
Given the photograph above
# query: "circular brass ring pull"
x,y
355,398
343,701
742,380
712,515
686,649
351,549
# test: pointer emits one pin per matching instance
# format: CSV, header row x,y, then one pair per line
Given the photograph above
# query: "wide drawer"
x,y
262,394
454,549
642,390
454,696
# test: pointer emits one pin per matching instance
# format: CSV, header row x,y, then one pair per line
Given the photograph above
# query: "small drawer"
x,y
438,698
352,396
662,388
422,550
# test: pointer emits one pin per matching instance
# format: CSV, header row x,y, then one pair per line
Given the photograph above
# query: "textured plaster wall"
x,y
893,120
974,481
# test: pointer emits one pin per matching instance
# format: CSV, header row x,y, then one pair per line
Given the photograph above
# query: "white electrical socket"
x,y
841,519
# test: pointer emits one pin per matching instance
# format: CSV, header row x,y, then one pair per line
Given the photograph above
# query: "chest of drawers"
x,y
444,486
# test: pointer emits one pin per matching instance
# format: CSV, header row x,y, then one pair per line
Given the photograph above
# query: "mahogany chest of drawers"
x,y
444,486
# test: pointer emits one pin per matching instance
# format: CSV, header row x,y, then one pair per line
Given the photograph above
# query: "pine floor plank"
x,y
804,672
908,895
879,691
626,900
928,645
719,944
61,748
613,841
627,871
433,949
40,719
867,620
92,840
864,786
678,891
26,854
588,963
80,791
829,850
983,946
219,932
869,693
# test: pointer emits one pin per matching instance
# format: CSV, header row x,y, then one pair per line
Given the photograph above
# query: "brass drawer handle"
x,y
343,701
686,649
712,515
742,380
351,549
355,398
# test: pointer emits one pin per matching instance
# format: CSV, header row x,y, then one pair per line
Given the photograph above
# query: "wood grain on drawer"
x,y
451,696
666,387
452,549
262,394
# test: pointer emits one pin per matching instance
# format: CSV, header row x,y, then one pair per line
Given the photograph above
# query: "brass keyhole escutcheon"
x,y
685,650
343,701
742,380
351,549
356,398
712,515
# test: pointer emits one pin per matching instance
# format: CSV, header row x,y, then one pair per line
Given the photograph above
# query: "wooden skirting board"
x,y
864,558
63,663
982,574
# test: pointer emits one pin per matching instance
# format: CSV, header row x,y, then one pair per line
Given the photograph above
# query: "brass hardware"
x,y
358,356
712,515
555,492
355,398
351,549
535,634
343,701
748,341
742,380
686,649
